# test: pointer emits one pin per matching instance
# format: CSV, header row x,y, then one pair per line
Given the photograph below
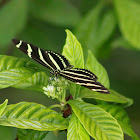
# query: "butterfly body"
x,y
59,65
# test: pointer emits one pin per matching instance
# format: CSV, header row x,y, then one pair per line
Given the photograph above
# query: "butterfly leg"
x,y
53,76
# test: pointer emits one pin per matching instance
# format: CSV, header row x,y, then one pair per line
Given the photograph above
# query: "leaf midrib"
x,y
96,123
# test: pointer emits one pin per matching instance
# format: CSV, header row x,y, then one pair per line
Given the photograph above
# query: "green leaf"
x,y
10,62
8,133
13,18
98,123
93,65
24,134
56,136
27,115
3,106
75,130
95,29
13,70
121,116
128,12
14,76
112,97
58,12
36,82
73,51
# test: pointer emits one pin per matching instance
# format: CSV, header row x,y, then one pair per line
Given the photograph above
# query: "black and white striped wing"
x,y
80,73
49,59
84,78
59,60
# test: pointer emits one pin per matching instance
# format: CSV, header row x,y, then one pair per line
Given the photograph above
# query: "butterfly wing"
x,y
49,59
59,60
84,78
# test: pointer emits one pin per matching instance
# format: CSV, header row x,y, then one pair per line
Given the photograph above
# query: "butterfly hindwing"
x,y
84,78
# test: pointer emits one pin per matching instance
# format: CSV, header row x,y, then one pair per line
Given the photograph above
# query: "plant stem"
x,y
63,96
53,106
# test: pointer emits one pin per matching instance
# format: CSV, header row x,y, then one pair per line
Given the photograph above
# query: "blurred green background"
x,y
98,26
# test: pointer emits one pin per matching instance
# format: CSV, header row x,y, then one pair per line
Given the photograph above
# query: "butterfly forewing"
x,y
84,79
59,60
49,59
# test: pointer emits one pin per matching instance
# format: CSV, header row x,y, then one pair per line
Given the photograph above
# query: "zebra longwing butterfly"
x,y
59,65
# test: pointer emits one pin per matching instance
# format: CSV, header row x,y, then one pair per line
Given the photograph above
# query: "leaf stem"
x,y
63,96
53,106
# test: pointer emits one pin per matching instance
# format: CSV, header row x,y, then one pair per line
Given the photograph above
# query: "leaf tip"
x,y
68,32
6,101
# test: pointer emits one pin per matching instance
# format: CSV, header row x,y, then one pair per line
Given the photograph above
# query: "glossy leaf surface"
x,y
14,70
98,123
121,116
24,134
93,65
28,115
73,51
112,97
76,131
36,82
3,106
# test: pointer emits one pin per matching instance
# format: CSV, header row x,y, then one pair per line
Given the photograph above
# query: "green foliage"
x,y
98,123
73,52
76,131
97,69
128,12
93,31
3,106
121,116
100,26
112,97
14,70
25,134
8,133
86,120
35,82
32,116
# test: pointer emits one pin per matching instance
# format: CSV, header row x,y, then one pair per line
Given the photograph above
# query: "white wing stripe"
x,y
29,50
69,72
18,45
99,90
62,61
41,57
88,84
76,77
54,62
